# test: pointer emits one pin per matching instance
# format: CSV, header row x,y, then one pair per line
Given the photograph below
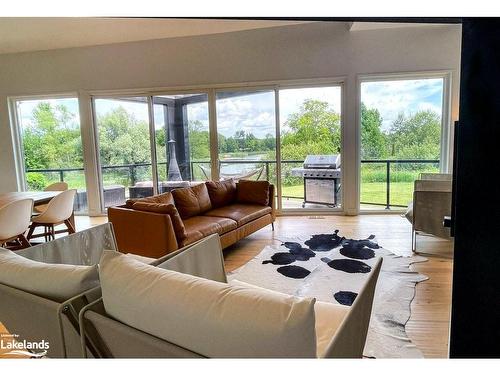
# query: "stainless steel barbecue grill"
x,y
322,175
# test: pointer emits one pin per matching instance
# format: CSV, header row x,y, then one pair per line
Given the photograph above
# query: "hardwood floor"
x,y
428,326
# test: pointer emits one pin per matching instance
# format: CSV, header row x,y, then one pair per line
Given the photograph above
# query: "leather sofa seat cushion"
x,y
253,192
210,318
192,201
163,208
222,193
241,213
207,225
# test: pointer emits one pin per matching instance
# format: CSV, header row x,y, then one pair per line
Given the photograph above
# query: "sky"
x,y
404,96
26,107
255,112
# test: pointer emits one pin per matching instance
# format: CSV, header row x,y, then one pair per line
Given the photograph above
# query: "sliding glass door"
x,y
401,137
246,130
51,145
182,138
311,144
124,149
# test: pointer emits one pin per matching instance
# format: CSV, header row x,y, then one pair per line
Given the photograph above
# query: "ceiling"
x,y
23,34
38,34
364,26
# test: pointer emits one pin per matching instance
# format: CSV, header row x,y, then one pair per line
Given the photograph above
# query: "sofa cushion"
x,y
221,193
168,209
207,317
207,225
241,213
130,202
328,318
192,201
58,282
253,192
165,198
158,208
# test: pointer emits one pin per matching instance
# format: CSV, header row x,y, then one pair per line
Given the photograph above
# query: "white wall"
x,y
285,53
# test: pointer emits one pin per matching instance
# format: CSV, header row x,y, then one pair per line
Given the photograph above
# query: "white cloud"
x,y
403,96
253,113
26,107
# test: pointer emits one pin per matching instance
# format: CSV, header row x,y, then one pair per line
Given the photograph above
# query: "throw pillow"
x,y
166,209
58,282
255,192
192,201
222,193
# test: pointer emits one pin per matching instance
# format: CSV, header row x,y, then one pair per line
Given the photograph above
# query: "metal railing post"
x,y
131,170
388,176
267,170
61,175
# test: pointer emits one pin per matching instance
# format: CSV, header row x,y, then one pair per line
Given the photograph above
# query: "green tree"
x,y
199,141
314,129
373,140
123,139
417,136
53,140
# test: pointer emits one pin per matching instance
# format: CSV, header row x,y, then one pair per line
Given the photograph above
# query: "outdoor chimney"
x,y
174,173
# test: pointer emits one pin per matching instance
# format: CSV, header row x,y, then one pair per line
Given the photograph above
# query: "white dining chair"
x,y
14,222
56,186
59,211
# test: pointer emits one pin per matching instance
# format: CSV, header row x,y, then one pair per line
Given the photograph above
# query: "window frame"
x,y
16,129
446,123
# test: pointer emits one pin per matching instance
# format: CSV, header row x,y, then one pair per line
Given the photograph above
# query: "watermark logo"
x,y
12,346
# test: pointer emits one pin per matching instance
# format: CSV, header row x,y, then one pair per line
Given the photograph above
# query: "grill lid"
x,y
322,161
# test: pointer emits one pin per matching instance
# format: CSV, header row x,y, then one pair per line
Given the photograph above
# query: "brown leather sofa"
x,y
155,226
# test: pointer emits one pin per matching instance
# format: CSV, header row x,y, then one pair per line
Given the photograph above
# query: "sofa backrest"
x,y
203,258
113,339
80,248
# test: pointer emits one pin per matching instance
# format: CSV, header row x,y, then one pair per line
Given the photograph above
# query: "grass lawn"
x,y
371,192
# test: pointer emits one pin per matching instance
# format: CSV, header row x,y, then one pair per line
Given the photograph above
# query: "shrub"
x,y
36,181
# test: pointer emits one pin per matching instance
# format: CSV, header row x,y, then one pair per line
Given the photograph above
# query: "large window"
x,y
246,127
182,139
124,149
129,167
152,143
311,128
52,145
401,122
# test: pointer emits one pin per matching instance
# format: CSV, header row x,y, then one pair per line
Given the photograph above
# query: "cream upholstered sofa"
x,y
43,288
182,306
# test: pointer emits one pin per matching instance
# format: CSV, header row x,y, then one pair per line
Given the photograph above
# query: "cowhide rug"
x,y
333,269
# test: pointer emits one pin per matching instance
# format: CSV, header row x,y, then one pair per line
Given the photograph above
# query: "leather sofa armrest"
x,y
272,201
143,233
